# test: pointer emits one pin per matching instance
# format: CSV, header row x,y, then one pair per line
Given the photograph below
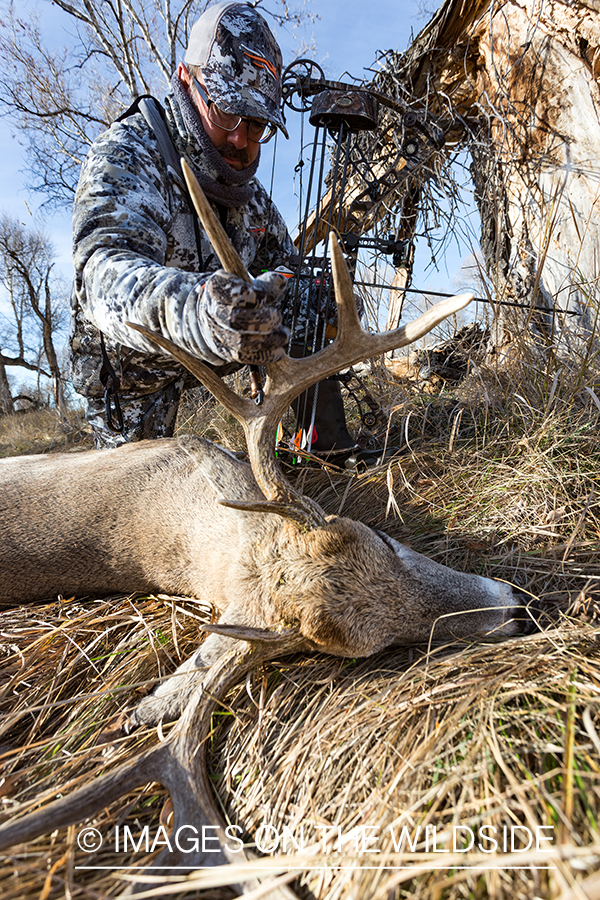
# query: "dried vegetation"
x,y
498,475
43,431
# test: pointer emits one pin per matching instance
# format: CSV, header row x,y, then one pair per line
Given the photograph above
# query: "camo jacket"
x,y
136,257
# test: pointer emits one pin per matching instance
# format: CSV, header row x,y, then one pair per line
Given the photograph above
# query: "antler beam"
x,y
287,378
179,764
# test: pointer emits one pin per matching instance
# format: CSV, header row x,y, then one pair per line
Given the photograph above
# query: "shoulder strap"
x,y
153,113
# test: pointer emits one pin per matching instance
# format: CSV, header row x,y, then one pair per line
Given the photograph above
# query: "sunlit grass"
x,y
497,475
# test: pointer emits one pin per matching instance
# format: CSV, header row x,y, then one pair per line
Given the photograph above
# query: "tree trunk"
x,y
49,349
548,247
57,387
7,406
520,82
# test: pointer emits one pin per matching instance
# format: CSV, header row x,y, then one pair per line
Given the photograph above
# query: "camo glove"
x,y
238,319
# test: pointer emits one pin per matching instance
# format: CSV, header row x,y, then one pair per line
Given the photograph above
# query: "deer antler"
x,y
179,764
288,377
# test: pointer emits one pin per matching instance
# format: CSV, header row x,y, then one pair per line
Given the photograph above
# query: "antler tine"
x,y
236,405
353,344
228,255
348,321
287,378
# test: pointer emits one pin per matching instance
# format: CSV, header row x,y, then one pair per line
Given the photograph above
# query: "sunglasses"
x,y
258,132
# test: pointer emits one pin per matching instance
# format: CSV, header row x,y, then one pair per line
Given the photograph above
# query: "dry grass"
x,y
43,431
69,670
491,736
499,476
201,415
497,735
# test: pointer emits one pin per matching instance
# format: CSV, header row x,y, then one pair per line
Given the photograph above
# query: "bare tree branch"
x,y
59,101
34,298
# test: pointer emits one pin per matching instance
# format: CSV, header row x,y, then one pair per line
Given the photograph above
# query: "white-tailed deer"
x,y
186,517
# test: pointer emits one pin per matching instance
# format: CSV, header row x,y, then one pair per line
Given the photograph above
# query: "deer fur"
x,y
186,517
147,517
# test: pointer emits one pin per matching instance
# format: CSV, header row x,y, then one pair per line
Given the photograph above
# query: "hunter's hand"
x,y
238,319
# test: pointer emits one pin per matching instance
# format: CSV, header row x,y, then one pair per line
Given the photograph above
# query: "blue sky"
x,y
347,36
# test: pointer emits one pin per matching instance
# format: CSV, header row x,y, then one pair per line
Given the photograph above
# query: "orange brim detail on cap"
x,y
262,63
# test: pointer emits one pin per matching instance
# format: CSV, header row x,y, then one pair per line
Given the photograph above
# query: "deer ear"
x,y
322,630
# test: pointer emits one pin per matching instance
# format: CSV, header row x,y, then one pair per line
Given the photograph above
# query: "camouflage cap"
x,y
240,61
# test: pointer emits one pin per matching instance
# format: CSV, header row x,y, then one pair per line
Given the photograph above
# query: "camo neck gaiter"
x,y
218,180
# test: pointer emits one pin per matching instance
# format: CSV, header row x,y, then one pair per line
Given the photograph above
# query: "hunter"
x,y
140,254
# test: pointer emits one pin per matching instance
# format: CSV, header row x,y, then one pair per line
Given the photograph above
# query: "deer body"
x,y
140,518
184,516
146,517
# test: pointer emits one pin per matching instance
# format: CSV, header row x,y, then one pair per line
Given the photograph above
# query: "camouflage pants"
x,y
150,416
